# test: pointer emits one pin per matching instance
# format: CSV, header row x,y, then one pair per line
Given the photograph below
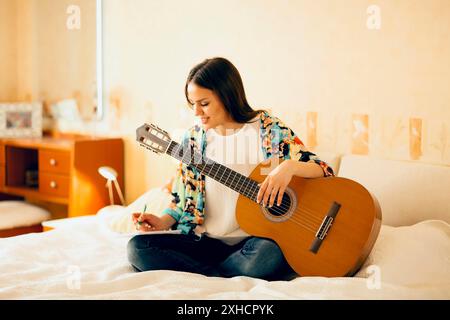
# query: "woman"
x,y
235,135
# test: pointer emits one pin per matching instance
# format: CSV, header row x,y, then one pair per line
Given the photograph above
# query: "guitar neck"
x,y
220,173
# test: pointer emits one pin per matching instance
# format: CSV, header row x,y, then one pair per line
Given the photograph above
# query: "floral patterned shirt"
x,y
188,187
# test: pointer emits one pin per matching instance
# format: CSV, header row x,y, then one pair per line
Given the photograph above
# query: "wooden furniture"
x,y
20,230
65,170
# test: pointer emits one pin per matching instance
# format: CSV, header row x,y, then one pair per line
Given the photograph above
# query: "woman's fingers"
x,y
135,217
273,195
261,191
267,193
144,226
280,195
149,222
139,216
143,222
147,227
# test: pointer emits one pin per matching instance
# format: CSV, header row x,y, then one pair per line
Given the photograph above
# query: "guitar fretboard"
x,y
226,176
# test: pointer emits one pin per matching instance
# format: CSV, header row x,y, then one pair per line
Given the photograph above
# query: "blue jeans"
x,y
252,257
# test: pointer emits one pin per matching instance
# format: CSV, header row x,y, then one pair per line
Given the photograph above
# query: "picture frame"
x,y
21,120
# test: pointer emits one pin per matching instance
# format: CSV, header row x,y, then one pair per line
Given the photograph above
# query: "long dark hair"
x,y
221,76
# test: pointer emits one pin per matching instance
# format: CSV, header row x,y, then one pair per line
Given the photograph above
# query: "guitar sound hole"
x,y
282,209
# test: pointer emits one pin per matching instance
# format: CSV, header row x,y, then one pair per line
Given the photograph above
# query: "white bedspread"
x,y
88,261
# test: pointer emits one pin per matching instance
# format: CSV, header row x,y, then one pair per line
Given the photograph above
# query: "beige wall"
x,y
8,50
73,74
303,59
48,62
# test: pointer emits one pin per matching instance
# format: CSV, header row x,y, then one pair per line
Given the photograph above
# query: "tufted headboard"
x,y
408,192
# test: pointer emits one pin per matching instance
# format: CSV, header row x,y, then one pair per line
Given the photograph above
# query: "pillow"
x,y
411,255
15,214
118,218
408,192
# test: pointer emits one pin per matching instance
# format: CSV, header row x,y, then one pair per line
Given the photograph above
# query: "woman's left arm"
x,y
305,169
297,162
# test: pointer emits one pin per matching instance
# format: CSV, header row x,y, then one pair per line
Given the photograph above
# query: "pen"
x,y
139,222
142,214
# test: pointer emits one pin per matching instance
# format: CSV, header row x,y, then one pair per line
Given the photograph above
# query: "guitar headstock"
x,y
153,138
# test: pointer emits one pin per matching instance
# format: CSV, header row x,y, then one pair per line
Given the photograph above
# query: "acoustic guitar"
x,y
324,226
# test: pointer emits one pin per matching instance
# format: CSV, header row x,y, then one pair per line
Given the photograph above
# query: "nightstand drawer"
x,y
54,184
54,161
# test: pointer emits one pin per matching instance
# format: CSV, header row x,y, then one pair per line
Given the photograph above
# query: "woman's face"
x,y
207,107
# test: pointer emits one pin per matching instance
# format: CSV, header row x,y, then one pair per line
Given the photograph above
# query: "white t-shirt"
x,y
240,151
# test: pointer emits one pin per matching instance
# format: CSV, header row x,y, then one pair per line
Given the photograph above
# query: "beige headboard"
x,y
408,192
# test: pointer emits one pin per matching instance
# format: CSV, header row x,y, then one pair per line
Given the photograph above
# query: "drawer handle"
x,y
53,184
52,162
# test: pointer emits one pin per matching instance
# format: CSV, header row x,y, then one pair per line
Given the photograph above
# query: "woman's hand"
x,y
276,183
150,222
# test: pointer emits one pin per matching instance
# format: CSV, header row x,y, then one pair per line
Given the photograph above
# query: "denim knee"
x,y
261,255
258,258
132,251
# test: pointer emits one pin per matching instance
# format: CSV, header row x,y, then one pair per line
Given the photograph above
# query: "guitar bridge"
x,y
324,227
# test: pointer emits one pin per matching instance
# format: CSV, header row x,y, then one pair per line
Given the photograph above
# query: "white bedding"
x,y
88,261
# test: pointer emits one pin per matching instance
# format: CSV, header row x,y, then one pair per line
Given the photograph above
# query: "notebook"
x,y
138,233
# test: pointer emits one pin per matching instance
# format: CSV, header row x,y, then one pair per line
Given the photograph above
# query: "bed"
x,y
86,259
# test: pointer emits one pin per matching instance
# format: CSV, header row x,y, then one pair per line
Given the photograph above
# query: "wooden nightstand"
x,y
64,170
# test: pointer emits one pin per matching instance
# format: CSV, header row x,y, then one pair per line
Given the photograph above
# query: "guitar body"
x,y
347,241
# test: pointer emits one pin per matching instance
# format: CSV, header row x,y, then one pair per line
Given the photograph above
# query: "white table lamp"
x,y
111,176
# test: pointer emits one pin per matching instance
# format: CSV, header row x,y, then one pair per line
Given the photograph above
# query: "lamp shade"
x,y
108,173
111,176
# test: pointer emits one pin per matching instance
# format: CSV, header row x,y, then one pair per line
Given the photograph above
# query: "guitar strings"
x,y
275,208
307,224
309,221
246,189
252,188
307,215
284,206
304,226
